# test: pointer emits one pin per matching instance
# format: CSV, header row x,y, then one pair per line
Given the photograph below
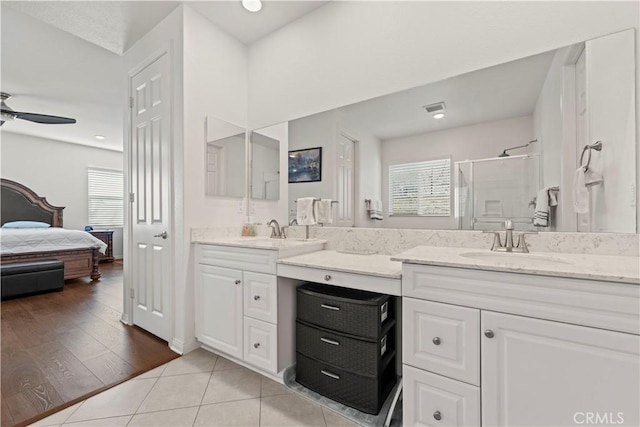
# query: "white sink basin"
x,y
516,258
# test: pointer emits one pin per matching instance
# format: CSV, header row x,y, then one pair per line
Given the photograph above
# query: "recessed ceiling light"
x,y
252,5
438,116
100,137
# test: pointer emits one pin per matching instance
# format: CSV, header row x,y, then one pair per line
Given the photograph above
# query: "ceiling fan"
x,y
6,113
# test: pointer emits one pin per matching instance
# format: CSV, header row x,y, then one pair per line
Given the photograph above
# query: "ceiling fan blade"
x,y
41,118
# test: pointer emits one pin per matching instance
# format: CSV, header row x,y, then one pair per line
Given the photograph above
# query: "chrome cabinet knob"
x,y
436,340
256,345
256,298
238,281
489,333
437,415
327,277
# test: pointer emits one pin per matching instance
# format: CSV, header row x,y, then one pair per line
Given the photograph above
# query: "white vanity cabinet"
x,y
499,349
240,309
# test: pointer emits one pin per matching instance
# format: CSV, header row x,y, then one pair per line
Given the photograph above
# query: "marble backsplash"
x,y
393,241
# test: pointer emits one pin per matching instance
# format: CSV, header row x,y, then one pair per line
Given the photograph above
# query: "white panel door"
x,y
151,245
345,168
218,295
542,373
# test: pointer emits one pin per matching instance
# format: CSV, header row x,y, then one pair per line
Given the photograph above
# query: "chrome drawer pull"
x,y
330,375
330,307
437,415
436,340
328,341
237,282
256,345
327,277
256,298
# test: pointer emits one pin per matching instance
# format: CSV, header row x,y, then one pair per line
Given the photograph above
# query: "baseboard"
x,y
181,347
124,318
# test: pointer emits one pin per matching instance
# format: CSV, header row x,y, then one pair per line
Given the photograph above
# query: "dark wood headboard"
x,y
20,203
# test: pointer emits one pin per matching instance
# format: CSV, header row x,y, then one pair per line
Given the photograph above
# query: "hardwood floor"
x,y
61,347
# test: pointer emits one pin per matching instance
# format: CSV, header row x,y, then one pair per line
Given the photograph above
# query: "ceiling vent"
x,y
434,108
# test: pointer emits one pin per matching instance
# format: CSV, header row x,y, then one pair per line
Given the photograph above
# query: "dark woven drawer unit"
x,y
356,355
349,311
366,394
345,345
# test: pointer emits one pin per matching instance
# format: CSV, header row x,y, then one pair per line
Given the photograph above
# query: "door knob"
x,y
163,235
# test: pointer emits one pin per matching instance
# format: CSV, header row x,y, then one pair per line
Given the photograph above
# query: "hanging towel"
x,y
580,192
304,214
546,198
592,177
375,211
323,211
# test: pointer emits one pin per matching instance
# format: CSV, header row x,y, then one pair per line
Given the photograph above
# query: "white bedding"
x,y
22,240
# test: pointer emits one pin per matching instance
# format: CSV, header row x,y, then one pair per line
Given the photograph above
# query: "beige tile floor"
x,y
198,389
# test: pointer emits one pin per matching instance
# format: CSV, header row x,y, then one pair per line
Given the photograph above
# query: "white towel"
x,y
546,198
304,214
375,209
580,192
323,211
592,177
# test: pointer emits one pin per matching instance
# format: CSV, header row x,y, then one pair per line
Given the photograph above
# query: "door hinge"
x,y
132,197
131,102
132,292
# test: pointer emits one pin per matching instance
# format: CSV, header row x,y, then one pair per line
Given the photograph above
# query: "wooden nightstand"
x,y
107,237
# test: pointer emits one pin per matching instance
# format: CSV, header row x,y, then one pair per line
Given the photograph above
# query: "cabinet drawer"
x,y
433,400
258,260
261,344
366,394
355,355
442,338
261,296
346,310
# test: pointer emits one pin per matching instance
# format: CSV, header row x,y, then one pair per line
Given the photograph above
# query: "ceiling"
x,y
63,57
503,91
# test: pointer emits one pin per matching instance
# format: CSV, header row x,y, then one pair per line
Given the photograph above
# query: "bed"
x,y
78,250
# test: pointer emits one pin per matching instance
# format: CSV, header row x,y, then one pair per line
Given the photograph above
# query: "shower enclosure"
x,y
489,191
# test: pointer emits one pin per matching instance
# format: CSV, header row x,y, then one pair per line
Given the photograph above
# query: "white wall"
x,y
479,141
58,171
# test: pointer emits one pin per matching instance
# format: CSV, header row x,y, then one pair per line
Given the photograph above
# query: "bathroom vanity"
x,y
501,348
486,338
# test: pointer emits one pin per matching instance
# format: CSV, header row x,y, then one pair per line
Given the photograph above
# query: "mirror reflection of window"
x,y
224,159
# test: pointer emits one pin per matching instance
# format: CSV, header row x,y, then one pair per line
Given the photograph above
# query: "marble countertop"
x,y
260,242
623,269
349,262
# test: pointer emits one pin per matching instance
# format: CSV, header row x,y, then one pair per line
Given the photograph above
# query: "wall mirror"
x,y
508,131
224,159
265,161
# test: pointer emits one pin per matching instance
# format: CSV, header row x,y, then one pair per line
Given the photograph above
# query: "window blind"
x,y
420,188
106,202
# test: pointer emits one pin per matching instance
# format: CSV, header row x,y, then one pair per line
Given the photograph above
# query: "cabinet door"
x,y
219,308
543,373
433,400
261,296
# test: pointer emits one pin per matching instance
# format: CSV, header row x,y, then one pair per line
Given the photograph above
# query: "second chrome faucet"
x,y
520,246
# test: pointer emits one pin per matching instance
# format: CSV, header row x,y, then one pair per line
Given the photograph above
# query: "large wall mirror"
x,y
470,151
265,161
225,159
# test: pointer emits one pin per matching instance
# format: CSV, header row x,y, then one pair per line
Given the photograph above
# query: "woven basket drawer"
x,y
366,394
352,354
346,310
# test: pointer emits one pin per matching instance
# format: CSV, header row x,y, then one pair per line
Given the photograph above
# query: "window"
x,y
420,188
106,203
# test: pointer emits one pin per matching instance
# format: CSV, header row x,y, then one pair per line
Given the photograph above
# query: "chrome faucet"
x,y
276,232
520,246
294,221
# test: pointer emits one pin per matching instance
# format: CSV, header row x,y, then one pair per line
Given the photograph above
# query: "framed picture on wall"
x,y
305,165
